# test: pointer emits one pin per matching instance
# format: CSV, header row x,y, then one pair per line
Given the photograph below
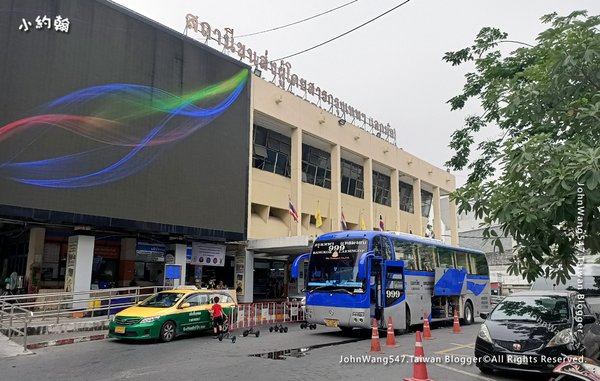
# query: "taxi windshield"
x,y
162,300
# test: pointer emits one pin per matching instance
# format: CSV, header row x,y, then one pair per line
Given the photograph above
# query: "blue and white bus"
x,y
355,276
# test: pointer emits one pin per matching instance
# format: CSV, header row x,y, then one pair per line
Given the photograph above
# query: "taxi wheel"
x,y
167,331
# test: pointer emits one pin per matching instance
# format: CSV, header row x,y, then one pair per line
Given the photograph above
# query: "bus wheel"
x,y
468,314
408,320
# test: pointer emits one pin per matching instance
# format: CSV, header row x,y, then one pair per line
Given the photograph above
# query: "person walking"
x,y
218,316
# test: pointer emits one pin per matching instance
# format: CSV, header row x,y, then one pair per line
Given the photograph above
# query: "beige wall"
x,y
294,117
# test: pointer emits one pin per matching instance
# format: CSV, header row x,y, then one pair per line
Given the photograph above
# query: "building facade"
x,y
130,146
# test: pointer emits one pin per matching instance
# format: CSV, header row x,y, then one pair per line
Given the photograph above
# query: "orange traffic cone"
x,y
426,329
375,344
391,339
456,328
419,366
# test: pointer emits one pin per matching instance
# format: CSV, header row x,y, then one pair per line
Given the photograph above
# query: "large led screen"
x,y
105,113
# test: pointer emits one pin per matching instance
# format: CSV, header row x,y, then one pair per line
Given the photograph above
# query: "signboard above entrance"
x,y
208,254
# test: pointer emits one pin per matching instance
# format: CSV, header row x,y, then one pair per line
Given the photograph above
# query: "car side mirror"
x,y
588,319
184,305
483,315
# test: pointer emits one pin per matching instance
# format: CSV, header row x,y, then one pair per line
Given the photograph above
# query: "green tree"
x,y
540,179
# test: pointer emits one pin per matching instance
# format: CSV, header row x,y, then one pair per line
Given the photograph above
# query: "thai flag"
x,y
343,221
381,225
293,211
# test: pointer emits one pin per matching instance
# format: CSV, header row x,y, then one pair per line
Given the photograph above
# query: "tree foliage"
x,y
540,180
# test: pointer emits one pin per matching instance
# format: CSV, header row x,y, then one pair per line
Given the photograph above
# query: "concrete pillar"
x,y
244,266
78,277
370,212
418,230
127,262
35,255
335,209
453,217
296,179
437,213
179,251
395,194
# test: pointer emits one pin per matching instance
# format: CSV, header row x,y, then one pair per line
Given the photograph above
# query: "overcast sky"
x,y
391,69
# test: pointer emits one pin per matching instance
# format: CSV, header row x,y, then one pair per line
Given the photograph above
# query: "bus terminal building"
x,y
130,145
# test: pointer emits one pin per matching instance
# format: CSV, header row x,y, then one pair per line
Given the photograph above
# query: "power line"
x,y
297,22
345,33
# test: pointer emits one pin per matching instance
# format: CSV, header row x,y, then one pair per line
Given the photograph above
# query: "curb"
x,y
73,340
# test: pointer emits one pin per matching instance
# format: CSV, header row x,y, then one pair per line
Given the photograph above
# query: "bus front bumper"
x,y
338,316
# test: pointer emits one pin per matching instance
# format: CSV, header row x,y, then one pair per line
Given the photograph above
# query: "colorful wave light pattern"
x,y
124,128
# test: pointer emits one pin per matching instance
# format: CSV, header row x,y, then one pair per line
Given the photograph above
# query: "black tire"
x,y
485,370
407,320
168,331
468,317
257,334
285,329
245,333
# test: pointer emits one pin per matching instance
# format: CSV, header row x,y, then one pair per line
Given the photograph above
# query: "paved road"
x,y
201,358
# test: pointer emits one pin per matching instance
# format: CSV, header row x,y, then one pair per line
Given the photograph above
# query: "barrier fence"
x,y
249,315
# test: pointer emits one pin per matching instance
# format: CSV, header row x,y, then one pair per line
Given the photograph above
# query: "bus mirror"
x,y
362,265
296,264
483,315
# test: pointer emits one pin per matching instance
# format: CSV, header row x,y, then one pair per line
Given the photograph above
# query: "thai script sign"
x,y
285,79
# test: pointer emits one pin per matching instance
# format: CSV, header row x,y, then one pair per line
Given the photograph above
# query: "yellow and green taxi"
x,y
167,314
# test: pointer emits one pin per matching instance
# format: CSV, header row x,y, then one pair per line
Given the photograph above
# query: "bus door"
x,y
393,294
375,289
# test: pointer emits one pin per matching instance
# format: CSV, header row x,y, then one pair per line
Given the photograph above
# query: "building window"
x,y
381,189
352,179
406,197
426,198
271,151
316,167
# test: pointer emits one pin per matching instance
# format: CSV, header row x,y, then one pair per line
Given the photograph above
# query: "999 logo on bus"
x,y
337,248
392,296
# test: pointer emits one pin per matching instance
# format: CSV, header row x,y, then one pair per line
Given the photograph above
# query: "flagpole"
x,y
289,217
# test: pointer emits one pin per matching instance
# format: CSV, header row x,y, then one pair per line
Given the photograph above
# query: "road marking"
x,y
456,346
464,372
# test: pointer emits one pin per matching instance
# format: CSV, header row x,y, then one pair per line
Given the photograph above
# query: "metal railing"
x,y
19,313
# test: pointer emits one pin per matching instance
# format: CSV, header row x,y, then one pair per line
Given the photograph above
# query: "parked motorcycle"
x,y
577,370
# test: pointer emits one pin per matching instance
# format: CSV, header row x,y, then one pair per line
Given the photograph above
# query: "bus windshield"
x,y
335,263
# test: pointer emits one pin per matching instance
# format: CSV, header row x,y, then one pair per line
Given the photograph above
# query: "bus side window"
x,y
472,265
445,258
478,264
381,247
405,251
427,257
387,249
461,260
481,263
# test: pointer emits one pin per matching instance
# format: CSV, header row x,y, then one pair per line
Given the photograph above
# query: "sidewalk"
x,y
10,348
55,339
